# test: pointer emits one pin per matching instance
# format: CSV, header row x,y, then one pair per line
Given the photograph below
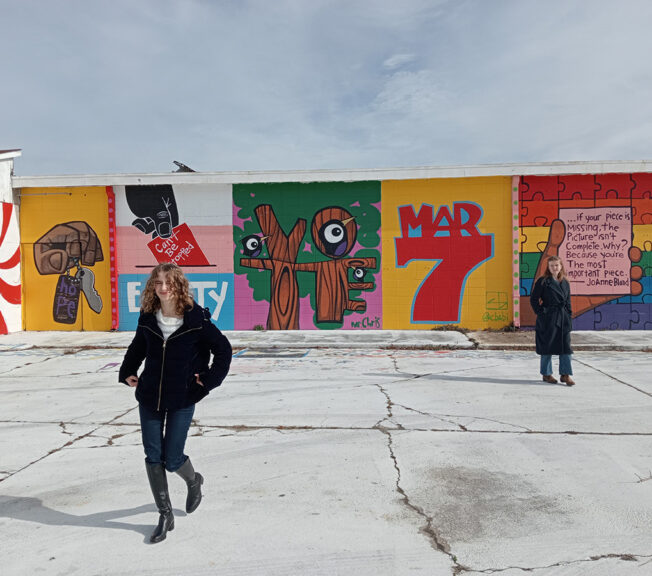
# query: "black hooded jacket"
x,y
168,378
551,302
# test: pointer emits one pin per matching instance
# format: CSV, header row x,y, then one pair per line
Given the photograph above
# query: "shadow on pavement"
x,y
484,380
33,510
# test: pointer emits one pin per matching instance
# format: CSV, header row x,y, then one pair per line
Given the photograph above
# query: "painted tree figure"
x,y
334,234
283,250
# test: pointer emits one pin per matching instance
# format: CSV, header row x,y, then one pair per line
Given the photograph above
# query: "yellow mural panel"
x,y
65,246
642,236
447,253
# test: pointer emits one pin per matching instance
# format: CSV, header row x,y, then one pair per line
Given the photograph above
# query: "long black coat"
x,y
551,303
168,378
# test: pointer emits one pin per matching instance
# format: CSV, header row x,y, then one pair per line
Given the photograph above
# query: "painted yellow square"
x,y
40,210
400,285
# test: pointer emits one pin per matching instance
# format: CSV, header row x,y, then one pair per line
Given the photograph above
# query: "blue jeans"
x,y
165,447
564,364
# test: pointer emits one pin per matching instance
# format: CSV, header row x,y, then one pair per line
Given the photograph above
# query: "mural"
x,y
65,242
456,246
158,216
285,256
64,247
189,225
289,279
10,298
451,249
601,226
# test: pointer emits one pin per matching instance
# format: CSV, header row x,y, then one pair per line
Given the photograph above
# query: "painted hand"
x,y
580,303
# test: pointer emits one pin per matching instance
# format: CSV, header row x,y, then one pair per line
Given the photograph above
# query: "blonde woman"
x,y
175,338
551,302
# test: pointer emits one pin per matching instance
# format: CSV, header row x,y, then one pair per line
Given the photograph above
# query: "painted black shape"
x,y
251,246
155,207
66,300
358,274
334,238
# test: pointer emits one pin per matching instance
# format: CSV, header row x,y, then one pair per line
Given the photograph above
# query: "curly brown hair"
x,y
150,302
562,272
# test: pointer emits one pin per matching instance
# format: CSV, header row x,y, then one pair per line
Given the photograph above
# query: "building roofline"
x,y
9,154
246,177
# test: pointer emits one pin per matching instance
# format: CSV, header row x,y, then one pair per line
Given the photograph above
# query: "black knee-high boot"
x,y
158,482
194,480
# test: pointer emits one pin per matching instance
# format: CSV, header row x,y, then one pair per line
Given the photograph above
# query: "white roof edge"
x,y
246,177
9,154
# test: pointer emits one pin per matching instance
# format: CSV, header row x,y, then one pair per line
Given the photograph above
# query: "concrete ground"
x,y
403,453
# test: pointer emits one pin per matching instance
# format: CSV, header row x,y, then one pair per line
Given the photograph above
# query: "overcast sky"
x,y
128,86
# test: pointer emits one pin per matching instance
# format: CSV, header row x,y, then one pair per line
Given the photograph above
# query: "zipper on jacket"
x,y
160,382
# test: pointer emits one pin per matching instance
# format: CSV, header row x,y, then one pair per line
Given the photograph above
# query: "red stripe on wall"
x,y
13,261
7,210
10,292
113,251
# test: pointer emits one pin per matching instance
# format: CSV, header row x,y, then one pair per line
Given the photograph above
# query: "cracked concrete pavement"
x,y
333,461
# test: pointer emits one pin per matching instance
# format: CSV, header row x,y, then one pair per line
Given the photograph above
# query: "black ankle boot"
x,y
194,480
158,482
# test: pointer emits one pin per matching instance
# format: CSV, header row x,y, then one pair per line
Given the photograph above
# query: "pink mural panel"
x,y
595,249
215,242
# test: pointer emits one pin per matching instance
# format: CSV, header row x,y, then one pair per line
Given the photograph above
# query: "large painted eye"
x,y
252,243
334,232
358,273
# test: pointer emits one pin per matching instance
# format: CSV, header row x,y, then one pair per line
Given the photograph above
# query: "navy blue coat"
x,y
551,302
168,378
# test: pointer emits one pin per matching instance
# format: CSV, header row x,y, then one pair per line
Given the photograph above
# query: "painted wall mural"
x,y
293,276
408,254
601,226
189,225
10,288
450,248
65,246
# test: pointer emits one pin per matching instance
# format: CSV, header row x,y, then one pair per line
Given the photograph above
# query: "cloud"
x,y
398,60
97,87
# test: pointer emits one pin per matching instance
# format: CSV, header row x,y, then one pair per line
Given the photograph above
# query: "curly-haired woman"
x,y
176,338
551,302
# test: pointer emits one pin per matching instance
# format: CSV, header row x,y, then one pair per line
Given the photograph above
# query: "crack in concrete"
x,y
69,443
438,417
306,427
428,529
626,557
8,372
390,415
612,377
199,428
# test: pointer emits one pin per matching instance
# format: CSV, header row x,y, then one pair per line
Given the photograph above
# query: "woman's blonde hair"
x,y
562,273
179,284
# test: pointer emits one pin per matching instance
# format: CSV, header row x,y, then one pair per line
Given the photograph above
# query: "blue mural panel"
x,y
213,291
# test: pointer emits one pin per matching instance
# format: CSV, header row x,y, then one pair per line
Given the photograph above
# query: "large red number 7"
x,y
458,247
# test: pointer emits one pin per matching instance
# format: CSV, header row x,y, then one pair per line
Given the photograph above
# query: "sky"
x,y
129,86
